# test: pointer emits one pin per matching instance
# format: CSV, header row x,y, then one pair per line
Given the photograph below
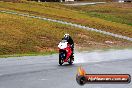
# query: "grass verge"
x,y
29,54
27,36
113,19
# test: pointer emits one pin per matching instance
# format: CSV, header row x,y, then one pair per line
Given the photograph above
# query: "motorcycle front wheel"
x,y
61,61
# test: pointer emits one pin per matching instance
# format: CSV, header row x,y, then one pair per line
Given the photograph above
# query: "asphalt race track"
x,y
44,71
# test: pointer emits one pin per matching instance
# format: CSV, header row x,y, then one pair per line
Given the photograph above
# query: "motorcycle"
x,y
65,53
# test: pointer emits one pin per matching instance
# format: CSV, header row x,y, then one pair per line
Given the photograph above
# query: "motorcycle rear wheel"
x,y
71,60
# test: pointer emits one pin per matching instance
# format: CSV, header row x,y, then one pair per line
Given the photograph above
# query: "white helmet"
x,y
66,36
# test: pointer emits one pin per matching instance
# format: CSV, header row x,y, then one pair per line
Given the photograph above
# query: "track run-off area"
x,y
68,23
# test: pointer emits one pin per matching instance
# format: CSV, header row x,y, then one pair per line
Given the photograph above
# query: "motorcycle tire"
x,y
60,59
71,60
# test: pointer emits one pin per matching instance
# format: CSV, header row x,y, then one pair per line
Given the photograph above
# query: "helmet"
x,y
66,36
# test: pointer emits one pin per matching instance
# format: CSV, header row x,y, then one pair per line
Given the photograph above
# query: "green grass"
x,y
29,54
104,48
116,15
115,20
112,18
20,35
27,36
115,12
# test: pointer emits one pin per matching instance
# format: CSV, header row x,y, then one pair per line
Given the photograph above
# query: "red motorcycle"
x,y
65,53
